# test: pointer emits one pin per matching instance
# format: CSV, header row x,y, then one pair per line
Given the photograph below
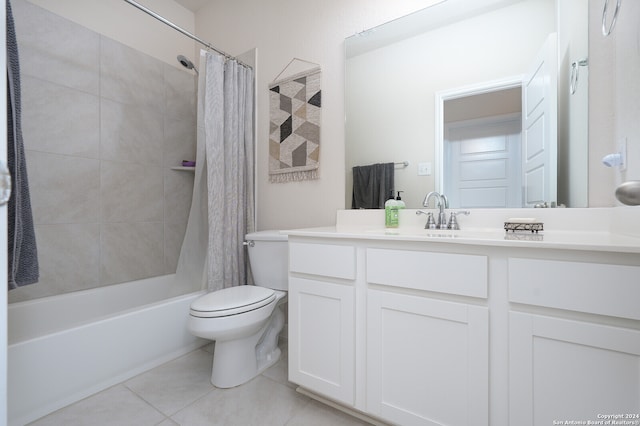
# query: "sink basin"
x,y
439,233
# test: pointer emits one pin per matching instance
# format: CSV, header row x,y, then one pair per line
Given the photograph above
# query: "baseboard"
x,y
354,413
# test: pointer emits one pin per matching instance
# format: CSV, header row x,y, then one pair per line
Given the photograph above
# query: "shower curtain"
x,y
222,208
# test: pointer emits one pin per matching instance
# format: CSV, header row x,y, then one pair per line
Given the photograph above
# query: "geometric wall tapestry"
x,y
294,127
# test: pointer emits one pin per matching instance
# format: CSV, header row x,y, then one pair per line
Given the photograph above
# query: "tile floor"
x,y
180,393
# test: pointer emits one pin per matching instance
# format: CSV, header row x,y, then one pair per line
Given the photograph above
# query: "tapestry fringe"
x,y
293,176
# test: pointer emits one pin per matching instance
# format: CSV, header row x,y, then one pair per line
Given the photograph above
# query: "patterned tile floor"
x,y
180,393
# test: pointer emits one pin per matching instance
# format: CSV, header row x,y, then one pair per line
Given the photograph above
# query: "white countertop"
x,y
562,230
594,241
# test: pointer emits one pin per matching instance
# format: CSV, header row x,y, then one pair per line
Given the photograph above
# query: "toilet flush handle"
x,y
249,243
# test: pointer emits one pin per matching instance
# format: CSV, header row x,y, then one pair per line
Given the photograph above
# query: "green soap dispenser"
x,y
391,212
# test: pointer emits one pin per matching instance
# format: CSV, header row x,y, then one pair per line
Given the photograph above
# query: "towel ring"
x,y
575,72
606,31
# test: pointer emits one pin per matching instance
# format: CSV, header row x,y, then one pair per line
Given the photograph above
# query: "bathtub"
x,y
64,348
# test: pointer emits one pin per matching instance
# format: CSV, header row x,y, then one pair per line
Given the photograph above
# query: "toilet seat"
x,y
232,301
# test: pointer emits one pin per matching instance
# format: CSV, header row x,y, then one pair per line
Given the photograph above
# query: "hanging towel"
x,y
372,185
22,251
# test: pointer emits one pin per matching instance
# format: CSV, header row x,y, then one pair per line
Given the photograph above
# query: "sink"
x,y
439,233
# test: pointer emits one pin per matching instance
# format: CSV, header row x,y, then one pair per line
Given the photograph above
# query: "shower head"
x,y
187,63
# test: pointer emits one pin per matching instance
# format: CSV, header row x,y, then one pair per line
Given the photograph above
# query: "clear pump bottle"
x,y
401,204
391,212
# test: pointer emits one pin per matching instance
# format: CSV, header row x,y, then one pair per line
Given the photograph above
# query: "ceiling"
x,y
193,5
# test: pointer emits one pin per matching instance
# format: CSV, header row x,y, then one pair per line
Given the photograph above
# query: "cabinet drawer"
x,y
603,289
461,274
329,260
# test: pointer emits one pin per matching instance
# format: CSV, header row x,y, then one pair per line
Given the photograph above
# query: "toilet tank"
x,y
269,259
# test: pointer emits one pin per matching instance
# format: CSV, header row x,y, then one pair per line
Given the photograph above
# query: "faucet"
x,y
441,203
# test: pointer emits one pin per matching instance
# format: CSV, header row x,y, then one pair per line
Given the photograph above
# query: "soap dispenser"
x,y
401,204
391,212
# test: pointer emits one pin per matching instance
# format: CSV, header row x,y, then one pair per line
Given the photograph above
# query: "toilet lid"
x,y
232,301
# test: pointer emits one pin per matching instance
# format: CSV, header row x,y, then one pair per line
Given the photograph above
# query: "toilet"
x,y
245,321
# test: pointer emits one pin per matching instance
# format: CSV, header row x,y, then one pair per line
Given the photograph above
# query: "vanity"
x,y
480,326
412,326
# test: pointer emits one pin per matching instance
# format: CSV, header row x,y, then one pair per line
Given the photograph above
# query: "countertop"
x,y
365,225
565,240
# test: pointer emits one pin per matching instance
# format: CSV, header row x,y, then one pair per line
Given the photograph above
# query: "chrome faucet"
x,y
442,203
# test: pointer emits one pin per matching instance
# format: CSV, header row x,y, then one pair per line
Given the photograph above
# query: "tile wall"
x,y
102,126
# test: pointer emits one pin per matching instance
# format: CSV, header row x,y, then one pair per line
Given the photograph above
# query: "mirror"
x,y
413,83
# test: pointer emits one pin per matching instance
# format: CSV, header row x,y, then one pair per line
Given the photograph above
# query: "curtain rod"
x,y
183,31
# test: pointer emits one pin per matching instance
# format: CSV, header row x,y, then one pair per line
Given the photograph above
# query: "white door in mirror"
x,y
539,126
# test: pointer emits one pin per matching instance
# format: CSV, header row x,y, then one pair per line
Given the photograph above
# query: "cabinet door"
x,y
321,337
427,360
562,370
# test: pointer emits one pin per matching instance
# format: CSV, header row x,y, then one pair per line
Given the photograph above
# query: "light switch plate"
x,y
424,169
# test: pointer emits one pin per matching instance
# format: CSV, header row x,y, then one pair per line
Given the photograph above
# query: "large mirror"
x,y
440,94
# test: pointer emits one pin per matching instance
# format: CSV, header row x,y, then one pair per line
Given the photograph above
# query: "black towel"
x,y
22,251
372,185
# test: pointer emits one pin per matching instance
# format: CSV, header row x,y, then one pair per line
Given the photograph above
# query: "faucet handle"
x,y
453,219
431,223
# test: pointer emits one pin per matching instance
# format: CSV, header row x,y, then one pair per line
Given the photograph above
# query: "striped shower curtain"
x,y
222,209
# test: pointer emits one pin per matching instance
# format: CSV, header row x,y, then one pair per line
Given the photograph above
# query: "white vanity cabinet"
x,y
321,319
401,335
444,332
427,358
567,370
576,368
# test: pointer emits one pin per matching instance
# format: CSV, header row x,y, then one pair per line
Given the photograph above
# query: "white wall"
x,y
313,31
625,42
601,109
614,102
573,45
508,101
130,26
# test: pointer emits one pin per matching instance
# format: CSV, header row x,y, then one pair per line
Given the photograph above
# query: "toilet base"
x,y
237,361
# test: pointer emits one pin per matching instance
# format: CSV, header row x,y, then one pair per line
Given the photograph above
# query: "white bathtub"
x,y
65,348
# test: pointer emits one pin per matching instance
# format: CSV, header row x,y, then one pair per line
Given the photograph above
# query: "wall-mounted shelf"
x,y
184,169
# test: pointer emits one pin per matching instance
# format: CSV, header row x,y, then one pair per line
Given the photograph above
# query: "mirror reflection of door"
x,y
488,162
540,128
482,150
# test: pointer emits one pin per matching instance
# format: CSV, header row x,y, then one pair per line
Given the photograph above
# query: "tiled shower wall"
x,y
102,126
